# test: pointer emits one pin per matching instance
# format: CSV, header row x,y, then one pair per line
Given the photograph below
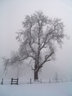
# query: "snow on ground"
x,y
52,89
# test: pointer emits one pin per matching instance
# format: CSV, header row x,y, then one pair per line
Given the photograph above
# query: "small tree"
x,y
56,77
37,40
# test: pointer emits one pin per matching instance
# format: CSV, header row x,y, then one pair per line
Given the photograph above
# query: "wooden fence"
x,y
14,81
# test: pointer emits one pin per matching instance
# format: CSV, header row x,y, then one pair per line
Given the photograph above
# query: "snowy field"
x,y
52,89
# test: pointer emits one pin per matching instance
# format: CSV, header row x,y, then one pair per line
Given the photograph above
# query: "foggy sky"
x,y
12,13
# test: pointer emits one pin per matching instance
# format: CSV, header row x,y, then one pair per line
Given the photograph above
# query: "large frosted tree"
x,y
38,40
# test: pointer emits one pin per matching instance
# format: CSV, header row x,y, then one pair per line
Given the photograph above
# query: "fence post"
x,y
30,81
11,80
17,81
2,82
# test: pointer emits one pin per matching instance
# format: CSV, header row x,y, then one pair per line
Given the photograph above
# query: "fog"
x,y
12,13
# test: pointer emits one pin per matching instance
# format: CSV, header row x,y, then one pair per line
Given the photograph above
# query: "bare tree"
x,y
38,40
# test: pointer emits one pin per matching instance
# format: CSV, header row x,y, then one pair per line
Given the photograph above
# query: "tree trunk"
x,y
35,75
35,71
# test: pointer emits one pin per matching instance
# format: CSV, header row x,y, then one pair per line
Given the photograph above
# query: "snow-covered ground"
x,y
52,89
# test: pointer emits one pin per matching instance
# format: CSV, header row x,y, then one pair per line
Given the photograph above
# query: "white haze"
x,y
12,13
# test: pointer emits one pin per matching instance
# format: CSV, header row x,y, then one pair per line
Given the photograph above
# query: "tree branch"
x,y
44,43
46,60
48,34
32,48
